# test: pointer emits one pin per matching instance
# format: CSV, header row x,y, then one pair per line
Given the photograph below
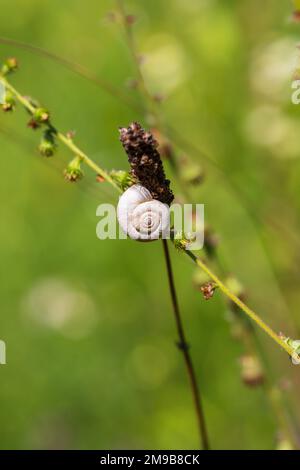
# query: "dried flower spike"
x,y
145,161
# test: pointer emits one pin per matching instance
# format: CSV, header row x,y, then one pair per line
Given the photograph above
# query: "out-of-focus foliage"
x,y
90,337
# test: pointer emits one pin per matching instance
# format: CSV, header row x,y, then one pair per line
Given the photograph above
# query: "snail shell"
x,y
140,216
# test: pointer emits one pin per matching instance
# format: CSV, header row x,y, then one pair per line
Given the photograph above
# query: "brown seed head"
x,y
145,161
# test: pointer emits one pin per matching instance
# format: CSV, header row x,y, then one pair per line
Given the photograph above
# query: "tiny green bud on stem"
x,y
181,242
9,103
73,172
39,117
123,179
10,65
47,145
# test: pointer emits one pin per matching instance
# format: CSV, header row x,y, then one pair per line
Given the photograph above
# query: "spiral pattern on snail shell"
x,y
140,216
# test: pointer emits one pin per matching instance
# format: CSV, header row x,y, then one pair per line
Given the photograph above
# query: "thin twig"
x,y
251,343
79,69
99,171
168,131
249,312
64,139
151,105
184,347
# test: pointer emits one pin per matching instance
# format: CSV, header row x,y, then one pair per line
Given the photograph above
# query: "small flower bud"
x,y
251,371
47,145
296,16
70,135
9,102
295,345
39,117
130,19
73,172
100,179
9,66
183,242
208,290
123,179
180,242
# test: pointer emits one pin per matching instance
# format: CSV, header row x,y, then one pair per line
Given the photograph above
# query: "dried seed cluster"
x,y
145,161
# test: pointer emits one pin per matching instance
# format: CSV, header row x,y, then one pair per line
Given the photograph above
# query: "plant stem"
x,y
242,305
79,69
150,102
184,347
64,139
100,171
226,291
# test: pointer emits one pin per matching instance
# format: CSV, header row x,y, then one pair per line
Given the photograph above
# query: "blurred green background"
x,y
91,356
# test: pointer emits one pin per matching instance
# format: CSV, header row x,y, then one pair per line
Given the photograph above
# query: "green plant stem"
x,y
252,346
249,312
64,139
99,171
172,133
80,70
182,344
184,347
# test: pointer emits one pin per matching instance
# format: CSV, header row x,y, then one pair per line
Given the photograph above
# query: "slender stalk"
x,y
80,70
169,131
251,344
226,291
64,139
251,314
184,347
100,171
149,100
